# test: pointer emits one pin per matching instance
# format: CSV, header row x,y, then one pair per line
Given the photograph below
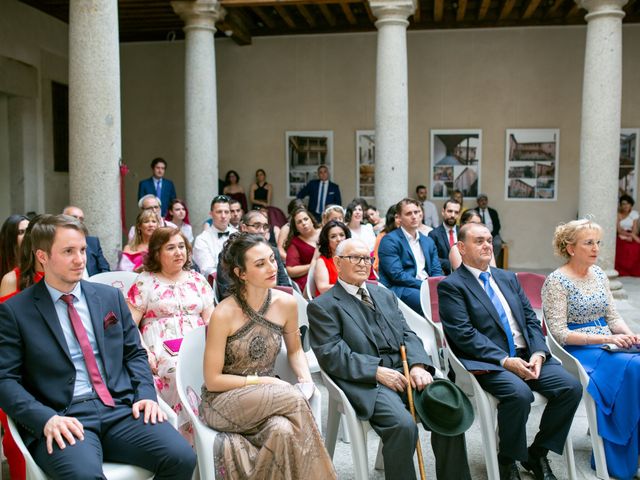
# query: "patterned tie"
x,y
366,299
89,358
451,241
484,276
321,198
158,188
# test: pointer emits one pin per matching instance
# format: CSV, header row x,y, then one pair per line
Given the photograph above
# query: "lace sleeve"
x,y
554,305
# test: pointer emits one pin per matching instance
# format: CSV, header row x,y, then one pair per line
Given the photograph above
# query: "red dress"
x,y
300,253
627,261
17,469
331,268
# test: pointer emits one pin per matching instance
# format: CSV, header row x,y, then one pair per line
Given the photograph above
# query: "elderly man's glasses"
x,y
153,207
356,260
260,227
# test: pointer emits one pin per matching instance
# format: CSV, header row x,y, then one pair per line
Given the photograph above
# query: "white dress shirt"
x,y
447,229
352,289
431,217
207,248
323,187
418,254
486,218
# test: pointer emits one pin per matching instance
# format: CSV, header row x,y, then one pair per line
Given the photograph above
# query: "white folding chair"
x,y
113,471
573,366
310,287
190,376
119,280
486,408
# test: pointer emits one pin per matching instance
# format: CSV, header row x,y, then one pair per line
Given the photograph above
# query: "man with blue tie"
x,y
321,192
491,327
157,185
407,257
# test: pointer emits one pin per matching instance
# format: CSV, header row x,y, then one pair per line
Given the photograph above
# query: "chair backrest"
x,y
429,298
569,362
301,301
425,330
120,280
532,285
310,288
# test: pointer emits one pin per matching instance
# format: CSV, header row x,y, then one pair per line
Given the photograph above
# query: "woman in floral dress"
x,y
168,300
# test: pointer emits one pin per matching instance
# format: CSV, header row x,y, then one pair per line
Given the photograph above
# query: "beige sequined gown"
x,y
267,431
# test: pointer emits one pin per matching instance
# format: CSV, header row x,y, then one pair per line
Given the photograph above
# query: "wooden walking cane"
x,y
405,366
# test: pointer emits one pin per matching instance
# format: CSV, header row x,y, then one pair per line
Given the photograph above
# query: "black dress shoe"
x,y
540,468
509,471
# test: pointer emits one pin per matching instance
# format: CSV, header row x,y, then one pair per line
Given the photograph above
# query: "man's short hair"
x,y
481,196
158,160
250,215
406,201
420,187
219,199
448,201
464,229
233,201
44,230
322,166
146,197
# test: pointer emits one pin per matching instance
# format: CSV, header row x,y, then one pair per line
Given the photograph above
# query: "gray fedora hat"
x,y
444,408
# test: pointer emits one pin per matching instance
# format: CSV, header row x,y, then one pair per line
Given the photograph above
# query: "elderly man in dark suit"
x,y
321,192
73,374
157,185
408,257
446,235
494,331
356,330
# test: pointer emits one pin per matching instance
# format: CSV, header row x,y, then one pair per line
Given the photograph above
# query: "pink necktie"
x,y
451,242
87,352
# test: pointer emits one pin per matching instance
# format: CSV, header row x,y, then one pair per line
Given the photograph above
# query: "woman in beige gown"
x,y
267,430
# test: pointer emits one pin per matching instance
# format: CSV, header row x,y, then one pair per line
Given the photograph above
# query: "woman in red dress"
x,y
325,273
301,245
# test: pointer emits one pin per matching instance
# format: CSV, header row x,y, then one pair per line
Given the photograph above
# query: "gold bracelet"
x,y
252,380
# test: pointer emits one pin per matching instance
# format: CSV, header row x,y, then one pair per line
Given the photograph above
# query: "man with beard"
x,y
446,235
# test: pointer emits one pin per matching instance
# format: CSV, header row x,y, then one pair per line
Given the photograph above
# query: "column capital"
x,y
392,11
200,14
602,8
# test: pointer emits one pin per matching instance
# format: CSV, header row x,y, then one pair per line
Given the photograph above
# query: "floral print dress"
x,y
170,311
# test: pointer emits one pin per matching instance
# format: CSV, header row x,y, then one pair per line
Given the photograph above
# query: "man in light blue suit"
x,y
157,185
407,257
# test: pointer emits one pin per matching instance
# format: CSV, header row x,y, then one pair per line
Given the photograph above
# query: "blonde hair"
x,y
329,210
142,217
567,234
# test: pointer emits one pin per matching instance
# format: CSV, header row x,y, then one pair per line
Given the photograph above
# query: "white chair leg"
x,y
333,422
569,458
596,440
343,432
379,458
359,453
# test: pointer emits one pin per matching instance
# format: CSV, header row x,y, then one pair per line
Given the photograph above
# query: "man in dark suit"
x,y
492,328
321,192
96,263
157,185
73,374
356,330
490,218
406,256
446,235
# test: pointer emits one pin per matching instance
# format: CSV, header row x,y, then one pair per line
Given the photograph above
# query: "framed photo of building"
x,y
455,162
531,157
628,161
366,163
305,152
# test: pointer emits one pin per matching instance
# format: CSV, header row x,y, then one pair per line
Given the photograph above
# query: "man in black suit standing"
x,y
161,187
356,330
321,192
446,235
490,218
73,374
493,330
96,263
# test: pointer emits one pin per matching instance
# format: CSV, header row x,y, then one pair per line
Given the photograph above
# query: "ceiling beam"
x,y
438,9
328,16
462,8
484,8
233,27
506,9
346,9
372,18
531,8
556,5
252,3
307,16
282,11
264,16
574,11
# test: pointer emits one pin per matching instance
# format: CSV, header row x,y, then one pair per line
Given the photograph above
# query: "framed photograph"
x,y
366,163
531,157
306,151
455,162
628,161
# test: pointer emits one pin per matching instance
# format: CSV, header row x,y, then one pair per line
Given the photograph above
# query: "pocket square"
x,y
109,320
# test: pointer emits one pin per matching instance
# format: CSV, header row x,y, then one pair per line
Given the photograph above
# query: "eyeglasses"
x,y
259,226
220,198
356,260
591,243
155,207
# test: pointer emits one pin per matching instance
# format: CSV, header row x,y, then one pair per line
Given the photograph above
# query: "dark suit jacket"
x,y
472,325
495,219
168,192
312,189
441,238
398,267
96,263
345,346
37,375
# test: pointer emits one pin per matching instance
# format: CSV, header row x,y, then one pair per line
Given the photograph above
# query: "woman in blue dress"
x,y
579,310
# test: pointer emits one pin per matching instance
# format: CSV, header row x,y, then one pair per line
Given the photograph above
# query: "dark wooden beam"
x,y
506,9
556,5
307,16
574,11
264,16
326,13
531,8
233,26
462,8
484,8
282,11
438,9
346,9
372,18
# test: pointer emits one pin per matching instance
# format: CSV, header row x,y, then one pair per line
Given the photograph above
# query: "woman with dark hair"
x,y
11,235
301,245
265,424
28,271
233,189
469,216
168,300
260,191
325,274
284,230
391,222
178,214
362,231
372,216
134,253
627,261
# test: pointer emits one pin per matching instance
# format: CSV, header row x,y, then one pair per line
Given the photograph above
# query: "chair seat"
x,y
120,471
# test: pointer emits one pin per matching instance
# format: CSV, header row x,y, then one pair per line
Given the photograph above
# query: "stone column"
x,y
392,104
600,132
201,111
94,119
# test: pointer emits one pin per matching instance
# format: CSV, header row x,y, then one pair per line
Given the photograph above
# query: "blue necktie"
x,y
158,188
321,199
484,276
